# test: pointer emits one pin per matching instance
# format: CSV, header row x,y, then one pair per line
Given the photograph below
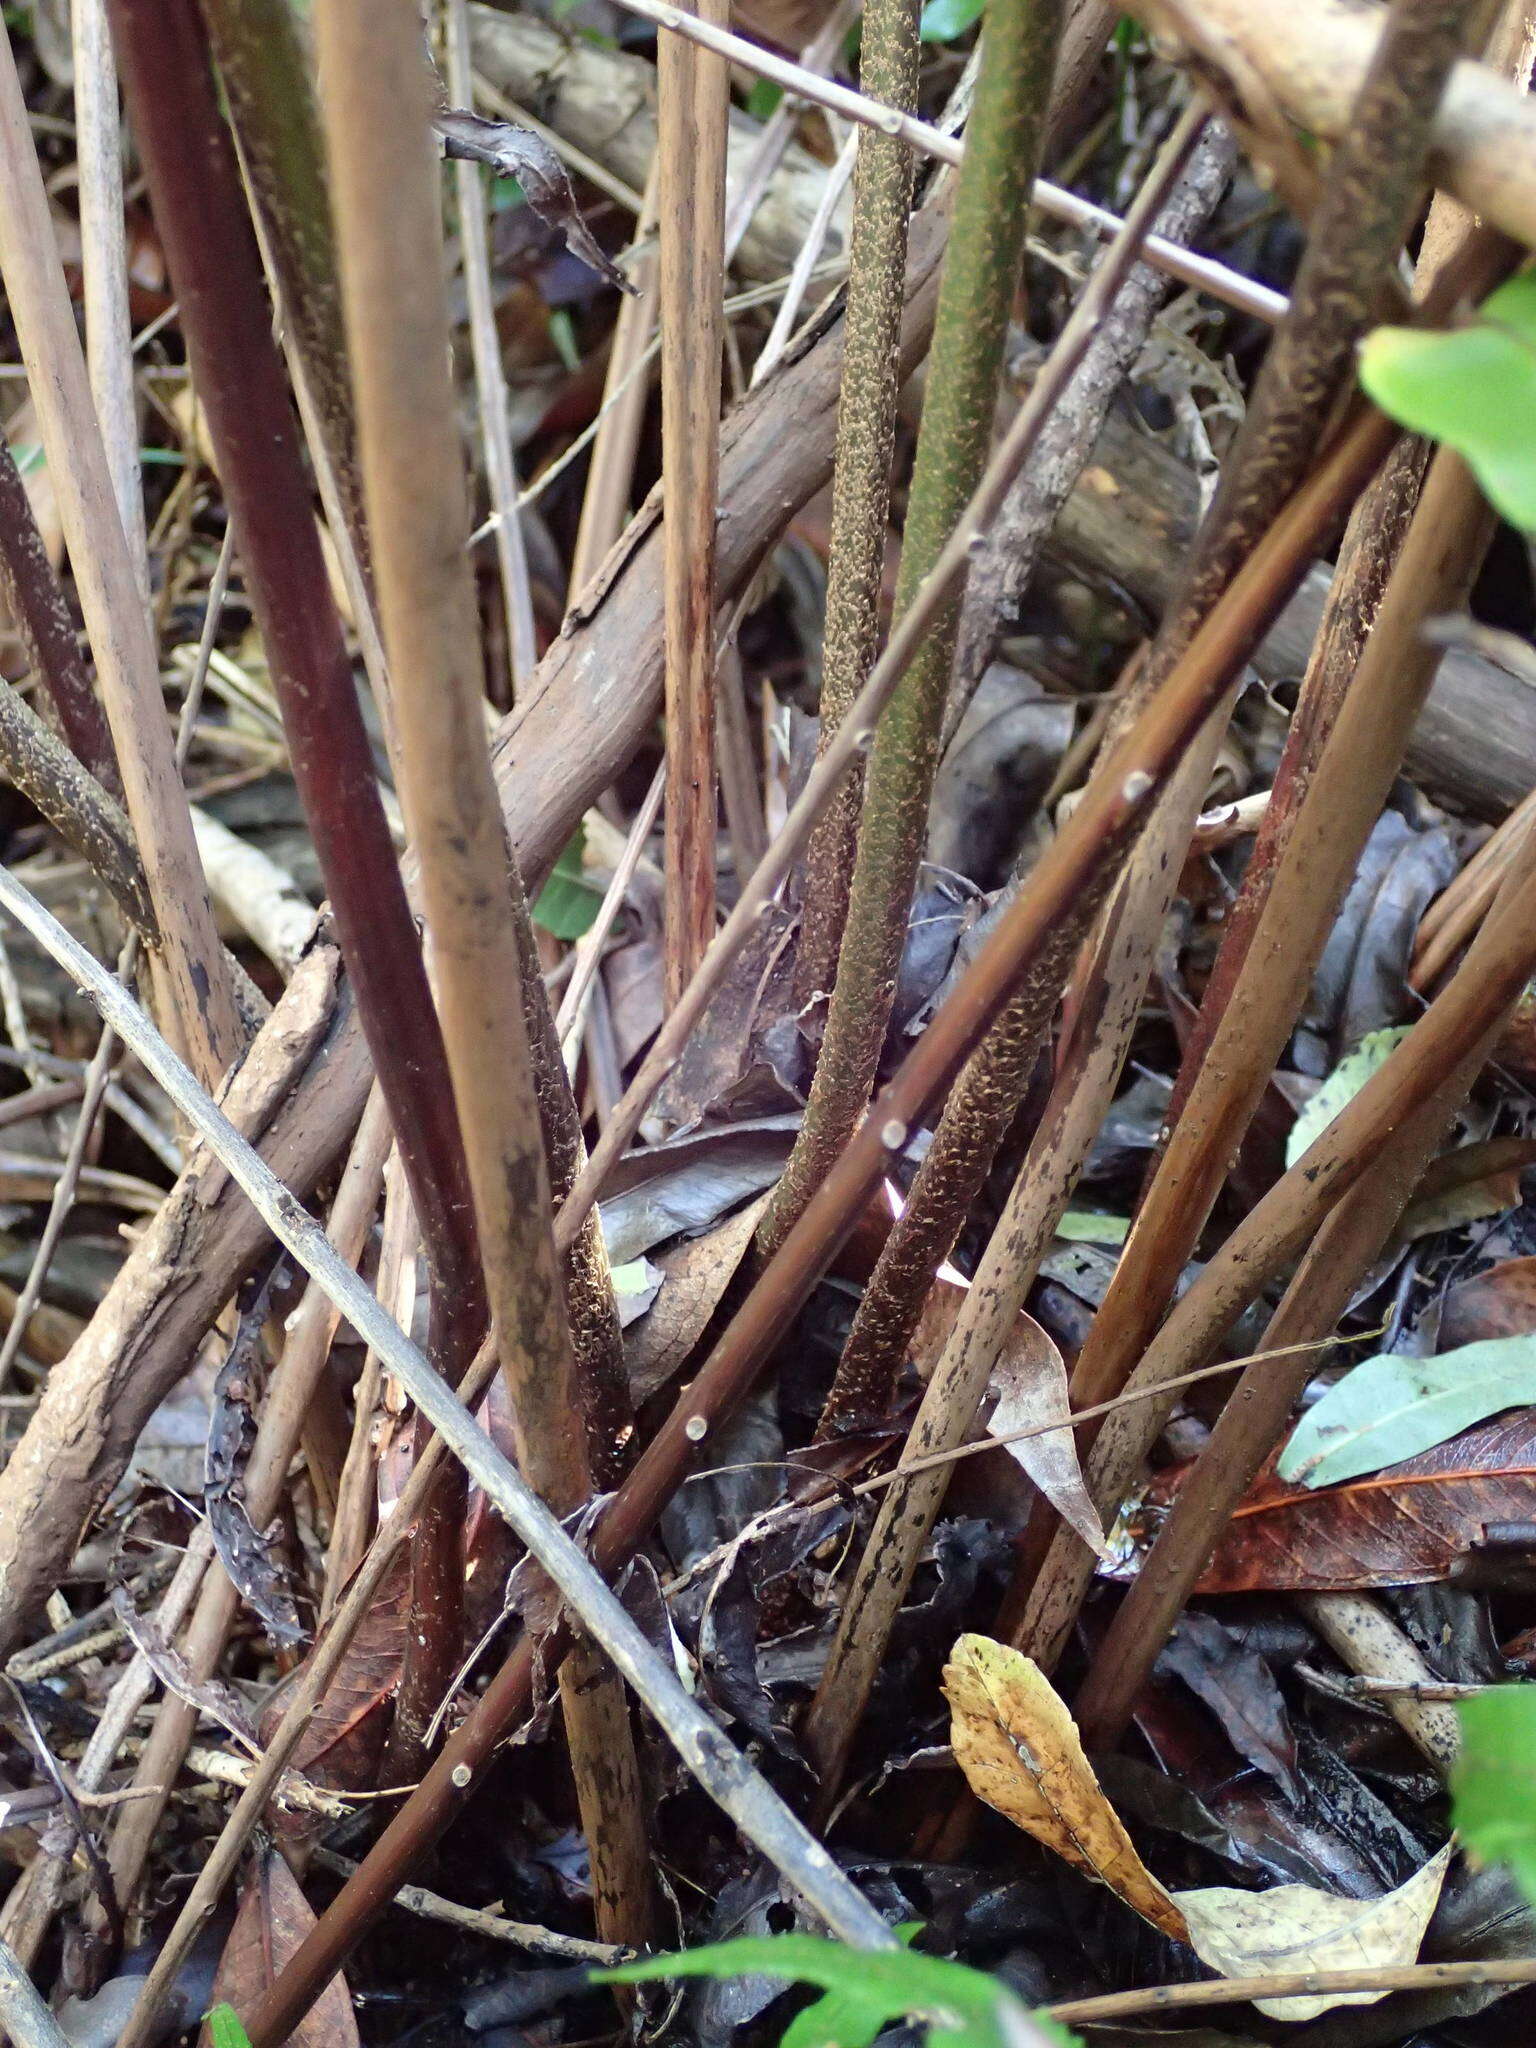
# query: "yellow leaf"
x,y
1294,1927
1020,1752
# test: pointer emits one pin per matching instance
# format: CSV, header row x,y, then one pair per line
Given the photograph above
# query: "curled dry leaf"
x,y
247,1553
210,1696
272,1920
1020,1752
696,1274
1294,1927
514,152
1031,1381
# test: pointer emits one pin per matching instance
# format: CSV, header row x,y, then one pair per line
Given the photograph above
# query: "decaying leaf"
x,y
245,1552
273,1918
1406,1526
1294,1927
210,1696
1238,1686
1500,1302
695,1277
1031,1378
343,1743
514,152
1019,1749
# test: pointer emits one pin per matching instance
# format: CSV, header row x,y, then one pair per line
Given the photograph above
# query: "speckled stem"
x,y
981,273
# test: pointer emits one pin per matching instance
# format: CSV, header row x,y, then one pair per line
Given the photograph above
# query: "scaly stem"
x,y
861,476
981,273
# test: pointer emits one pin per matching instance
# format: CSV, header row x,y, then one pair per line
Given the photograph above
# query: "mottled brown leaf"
x,y
1498,1303
343,1744
272,1920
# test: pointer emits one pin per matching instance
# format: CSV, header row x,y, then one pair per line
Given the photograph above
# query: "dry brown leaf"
x,y
695,1277
1020,1752
273,1919
1031,1381
1294,1927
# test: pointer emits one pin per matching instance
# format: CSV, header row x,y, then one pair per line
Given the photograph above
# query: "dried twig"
x,y
694,94
490,382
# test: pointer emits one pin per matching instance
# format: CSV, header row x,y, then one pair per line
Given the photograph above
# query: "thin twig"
x,y
490,383
1120,2005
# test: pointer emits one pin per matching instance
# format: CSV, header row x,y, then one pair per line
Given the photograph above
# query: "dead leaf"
x,y
514,152
1466,1185
1236,1683
1498,1303
210,1696
1294,1928
1405,1526
695,1276
273,1918
343,1744
1019,1749
1020,1752
1031,1381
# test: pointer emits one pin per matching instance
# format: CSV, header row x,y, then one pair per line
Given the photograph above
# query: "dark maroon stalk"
x,y
210,248
35,597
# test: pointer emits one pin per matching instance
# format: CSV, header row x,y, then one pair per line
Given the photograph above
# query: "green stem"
x,y
980,276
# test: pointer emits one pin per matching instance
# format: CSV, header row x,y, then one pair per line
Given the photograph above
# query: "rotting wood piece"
x,y
1129,522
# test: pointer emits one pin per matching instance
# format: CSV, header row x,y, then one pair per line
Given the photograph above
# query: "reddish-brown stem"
x,y
36,604
200,213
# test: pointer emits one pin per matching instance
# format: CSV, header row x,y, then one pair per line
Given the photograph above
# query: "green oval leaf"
x,y
1473,388
1391,1408
944,20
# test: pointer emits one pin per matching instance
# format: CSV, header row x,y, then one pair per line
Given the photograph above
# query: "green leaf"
x,y
763,98
944,20
1391,1408
1474,388
227,2028
567,905
864,1990
1091,1226
1493,1784
1341,1086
